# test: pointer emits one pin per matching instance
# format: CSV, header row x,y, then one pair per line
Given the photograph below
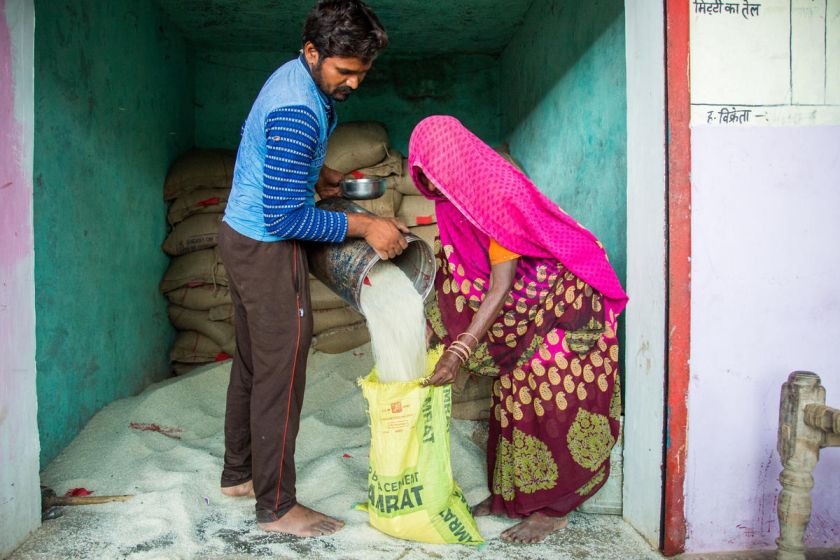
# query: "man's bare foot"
x,y
482,509
533,529
244,490
304,522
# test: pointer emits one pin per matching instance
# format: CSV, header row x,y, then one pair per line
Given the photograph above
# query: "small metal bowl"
x,y
362,189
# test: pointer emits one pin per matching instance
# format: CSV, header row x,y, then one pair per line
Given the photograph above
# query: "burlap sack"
x,y
327,319
478,409
200,169
385,206
194,348
356,145
426,233
199,321
471,396
323,297
200,297
391,165
221,313
193,234
179,368
202,201
341,339
403,183
194,269
417,211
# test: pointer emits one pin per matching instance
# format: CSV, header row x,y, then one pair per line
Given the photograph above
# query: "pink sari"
x,y
553,347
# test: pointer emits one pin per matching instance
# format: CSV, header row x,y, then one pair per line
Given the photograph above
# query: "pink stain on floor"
x,y
169,432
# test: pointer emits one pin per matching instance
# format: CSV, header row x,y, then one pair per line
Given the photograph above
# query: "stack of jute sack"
x,y
196,284
200,307
416,211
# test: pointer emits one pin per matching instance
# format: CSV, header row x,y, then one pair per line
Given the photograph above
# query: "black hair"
x,y
345,28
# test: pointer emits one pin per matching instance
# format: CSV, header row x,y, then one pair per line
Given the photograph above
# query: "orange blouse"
x,y
499,254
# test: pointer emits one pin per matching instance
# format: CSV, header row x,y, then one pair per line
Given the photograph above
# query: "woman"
x,y
524,294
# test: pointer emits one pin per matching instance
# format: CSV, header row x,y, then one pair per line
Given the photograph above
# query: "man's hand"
x,y
385,235
327,185
445,371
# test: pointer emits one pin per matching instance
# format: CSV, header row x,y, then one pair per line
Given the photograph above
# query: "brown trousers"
x,y
273,322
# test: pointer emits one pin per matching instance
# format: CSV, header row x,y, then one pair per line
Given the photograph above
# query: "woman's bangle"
x,y
469,334
457,355
460,349
458,352
459,344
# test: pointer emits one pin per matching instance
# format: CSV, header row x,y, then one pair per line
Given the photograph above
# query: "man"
x,y
271,208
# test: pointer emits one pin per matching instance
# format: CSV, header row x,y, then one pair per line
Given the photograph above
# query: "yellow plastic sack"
x,y
411,492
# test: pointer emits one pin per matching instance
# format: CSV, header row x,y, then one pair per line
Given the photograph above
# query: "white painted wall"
x,y
765,262
19,486
646,273
765,302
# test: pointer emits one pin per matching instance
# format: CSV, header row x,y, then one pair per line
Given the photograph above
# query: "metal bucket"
x,y
343,267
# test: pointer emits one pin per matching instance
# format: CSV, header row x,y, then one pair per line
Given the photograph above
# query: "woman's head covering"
x,y
504,204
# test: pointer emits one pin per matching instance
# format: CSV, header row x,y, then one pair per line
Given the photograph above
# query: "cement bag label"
x,y
391,496
411,491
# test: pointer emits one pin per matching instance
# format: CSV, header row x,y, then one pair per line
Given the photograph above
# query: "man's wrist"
x,y
358,224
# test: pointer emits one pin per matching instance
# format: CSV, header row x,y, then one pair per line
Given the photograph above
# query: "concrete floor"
x,y
596,537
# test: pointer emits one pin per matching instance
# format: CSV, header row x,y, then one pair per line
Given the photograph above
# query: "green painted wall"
x,y
113,88
564,111
398,92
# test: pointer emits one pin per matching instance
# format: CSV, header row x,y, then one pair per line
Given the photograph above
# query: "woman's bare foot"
x,y
244,490
533,529
304,522
482,509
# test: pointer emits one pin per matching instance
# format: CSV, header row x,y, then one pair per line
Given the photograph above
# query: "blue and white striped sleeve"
x,y
291,140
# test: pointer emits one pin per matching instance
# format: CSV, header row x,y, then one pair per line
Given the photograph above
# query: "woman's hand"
x,y
445,370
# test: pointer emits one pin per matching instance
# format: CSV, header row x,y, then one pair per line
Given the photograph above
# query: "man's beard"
x,y
341,93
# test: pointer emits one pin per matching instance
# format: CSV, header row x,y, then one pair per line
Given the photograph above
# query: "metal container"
x,y
343,267
362,189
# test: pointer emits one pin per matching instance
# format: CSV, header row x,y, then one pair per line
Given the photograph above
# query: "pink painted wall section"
x,y
19,492
765,302
15,193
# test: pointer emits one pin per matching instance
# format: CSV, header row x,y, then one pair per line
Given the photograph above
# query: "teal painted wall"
x,y
398,92
564,112
113,106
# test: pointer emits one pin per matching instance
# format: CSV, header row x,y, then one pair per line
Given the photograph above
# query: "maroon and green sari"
x,y
552,348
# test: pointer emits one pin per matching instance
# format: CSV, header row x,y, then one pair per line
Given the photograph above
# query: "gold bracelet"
x,y
469,334
457,352
460,344
460,350
457,355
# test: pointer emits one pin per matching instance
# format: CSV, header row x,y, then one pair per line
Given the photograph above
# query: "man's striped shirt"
x,y
291,142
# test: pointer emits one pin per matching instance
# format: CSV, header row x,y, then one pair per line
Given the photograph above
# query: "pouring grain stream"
x,y
394,313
